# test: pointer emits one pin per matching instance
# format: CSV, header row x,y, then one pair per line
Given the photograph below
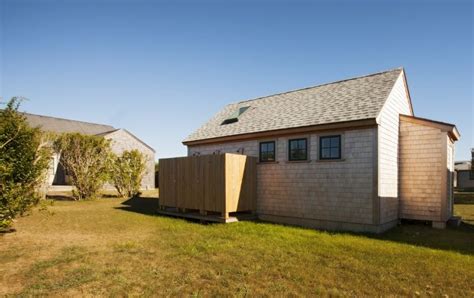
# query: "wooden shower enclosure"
x,y
210,184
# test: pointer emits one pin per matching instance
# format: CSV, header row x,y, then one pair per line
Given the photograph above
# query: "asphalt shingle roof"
x,y
60,125
462,166
352,99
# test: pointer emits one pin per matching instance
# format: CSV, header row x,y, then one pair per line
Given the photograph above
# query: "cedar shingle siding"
x,y
122,140
426,167
312,190
388,137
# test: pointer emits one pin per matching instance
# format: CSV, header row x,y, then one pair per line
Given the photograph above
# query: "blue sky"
x,y
162,68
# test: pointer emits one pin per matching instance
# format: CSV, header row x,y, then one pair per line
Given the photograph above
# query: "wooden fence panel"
x,y
167,189
241,183
247,199
217,183
214,194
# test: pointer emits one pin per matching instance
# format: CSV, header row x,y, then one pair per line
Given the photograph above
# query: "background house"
x,y
121,140
346,155
464,179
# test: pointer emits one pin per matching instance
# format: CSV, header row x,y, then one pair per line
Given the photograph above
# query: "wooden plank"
x,y
250,182
167,195
210,164
444,177
199,182
240,174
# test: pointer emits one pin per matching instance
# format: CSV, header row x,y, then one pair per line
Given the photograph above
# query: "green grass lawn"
x,y
465,206
110,247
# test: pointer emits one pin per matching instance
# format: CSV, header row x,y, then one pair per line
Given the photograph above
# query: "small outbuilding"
x,y
426,169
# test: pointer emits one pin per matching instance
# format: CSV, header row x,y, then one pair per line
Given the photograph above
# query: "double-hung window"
x,y
330,147
267,151
298,149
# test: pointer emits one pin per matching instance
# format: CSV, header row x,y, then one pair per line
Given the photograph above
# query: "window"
x,y
298,149
267,151
234,117
330,147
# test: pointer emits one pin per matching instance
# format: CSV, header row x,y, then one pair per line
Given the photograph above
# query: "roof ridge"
x,y
65,119
324,84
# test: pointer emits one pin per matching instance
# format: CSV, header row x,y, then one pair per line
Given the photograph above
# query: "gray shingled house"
x,y
347,155
121,140
465,174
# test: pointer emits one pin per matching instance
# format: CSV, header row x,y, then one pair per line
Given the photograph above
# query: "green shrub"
x,y
24,160
127,171
85,159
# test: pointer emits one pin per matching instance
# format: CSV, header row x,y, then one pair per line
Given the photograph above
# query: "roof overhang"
x,y
346,125
443,126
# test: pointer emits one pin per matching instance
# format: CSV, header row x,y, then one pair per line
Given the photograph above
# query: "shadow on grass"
x,y
67,196
458,239
110,196
149,206
464,198
143,205
455,239
467,200
60,197
57,197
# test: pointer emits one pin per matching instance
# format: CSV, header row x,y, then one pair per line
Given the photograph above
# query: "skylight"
x,y
234,117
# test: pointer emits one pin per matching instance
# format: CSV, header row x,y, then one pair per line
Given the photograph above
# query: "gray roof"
x,y
348,100
462,165
60,125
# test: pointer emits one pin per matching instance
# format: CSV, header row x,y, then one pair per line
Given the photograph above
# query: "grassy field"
x,y
111,247
465,206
